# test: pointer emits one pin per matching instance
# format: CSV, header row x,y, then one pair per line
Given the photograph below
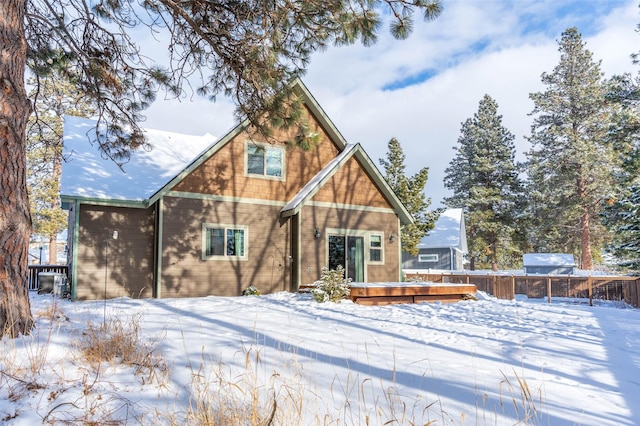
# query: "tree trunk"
x,y
15,221
585,242
586,261
53,238
53,249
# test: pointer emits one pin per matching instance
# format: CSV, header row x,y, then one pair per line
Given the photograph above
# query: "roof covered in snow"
x,y
449,231
86,174
548,259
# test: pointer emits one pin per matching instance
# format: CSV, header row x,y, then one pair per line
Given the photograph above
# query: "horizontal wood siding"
x,y
186,274
314,251
128,263
351,185
224,173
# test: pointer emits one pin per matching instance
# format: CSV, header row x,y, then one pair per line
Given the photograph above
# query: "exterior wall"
x,y
186,274
352,186
443,262
223,174
314,252
549,270
127,261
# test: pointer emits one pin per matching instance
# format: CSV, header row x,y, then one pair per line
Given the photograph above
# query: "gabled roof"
x,y
548,259
351,150
449,231
87,175
150,174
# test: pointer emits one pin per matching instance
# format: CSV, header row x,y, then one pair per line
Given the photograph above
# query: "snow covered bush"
x,y
251,291
332,285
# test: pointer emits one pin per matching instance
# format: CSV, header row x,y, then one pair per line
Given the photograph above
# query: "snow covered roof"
x,y
548,259
449,231
86,174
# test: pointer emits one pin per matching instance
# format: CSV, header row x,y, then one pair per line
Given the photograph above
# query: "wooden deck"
x,y
394,293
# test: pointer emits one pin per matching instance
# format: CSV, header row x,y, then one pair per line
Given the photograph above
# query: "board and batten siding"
x,y
125,267
346,221
186,274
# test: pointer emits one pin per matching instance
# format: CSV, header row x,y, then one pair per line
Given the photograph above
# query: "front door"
x,y
348,251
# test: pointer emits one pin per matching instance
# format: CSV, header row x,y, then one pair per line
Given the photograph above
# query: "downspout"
x,y
399,240
74,250
297,256
157,291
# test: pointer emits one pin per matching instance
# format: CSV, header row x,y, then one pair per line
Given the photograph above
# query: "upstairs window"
x,y
221,241
265,160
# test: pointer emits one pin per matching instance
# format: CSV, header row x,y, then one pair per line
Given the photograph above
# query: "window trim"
x,y
366,234
265,146
380,249
226,227
433,257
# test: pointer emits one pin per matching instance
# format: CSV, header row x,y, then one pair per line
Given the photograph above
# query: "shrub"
x,y
251,291
332,285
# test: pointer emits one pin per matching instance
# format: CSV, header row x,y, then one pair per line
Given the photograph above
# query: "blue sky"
x,y
421,89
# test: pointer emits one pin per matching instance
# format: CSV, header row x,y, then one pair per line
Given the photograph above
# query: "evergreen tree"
x,y
571,164
247,50
623,206
410,190
53,97
483,176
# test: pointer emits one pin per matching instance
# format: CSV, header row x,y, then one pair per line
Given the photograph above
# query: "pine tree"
x,y
410,191
483,176
570,164
53,98
248,51
622,208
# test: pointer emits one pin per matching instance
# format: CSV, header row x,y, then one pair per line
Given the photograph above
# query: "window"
x,y
427,258
375,248
224,241
264,160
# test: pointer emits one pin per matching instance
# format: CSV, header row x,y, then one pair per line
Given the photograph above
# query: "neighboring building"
x,y
444,247
548,263
197,217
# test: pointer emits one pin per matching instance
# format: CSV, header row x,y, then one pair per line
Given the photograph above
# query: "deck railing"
x,y
34,270
616,288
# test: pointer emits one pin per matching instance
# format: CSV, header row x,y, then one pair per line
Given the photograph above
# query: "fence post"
x,y
590,286
513,286
548,289
494,285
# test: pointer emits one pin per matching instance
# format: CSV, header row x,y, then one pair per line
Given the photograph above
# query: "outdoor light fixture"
x,y
392,237
316,233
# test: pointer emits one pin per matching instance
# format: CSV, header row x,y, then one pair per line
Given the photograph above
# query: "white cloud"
x,y
495,47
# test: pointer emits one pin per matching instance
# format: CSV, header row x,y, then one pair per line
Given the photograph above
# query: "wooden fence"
x,y
544,286
34,270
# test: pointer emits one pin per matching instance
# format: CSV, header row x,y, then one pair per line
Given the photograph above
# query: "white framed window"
x,y
265,160
224,241
375,248
428,257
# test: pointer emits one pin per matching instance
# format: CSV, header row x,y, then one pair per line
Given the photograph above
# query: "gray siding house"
x,y
549,263
445,247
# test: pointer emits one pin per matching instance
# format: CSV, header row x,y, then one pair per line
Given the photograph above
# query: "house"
x,y
444,247
196,216
549,263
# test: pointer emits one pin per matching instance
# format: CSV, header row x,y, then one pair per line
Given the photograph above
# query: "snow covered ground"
x,y
485,362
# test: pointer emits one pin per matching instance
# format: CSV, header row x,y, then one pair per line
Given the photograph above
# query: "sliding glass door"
x,y
348,251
